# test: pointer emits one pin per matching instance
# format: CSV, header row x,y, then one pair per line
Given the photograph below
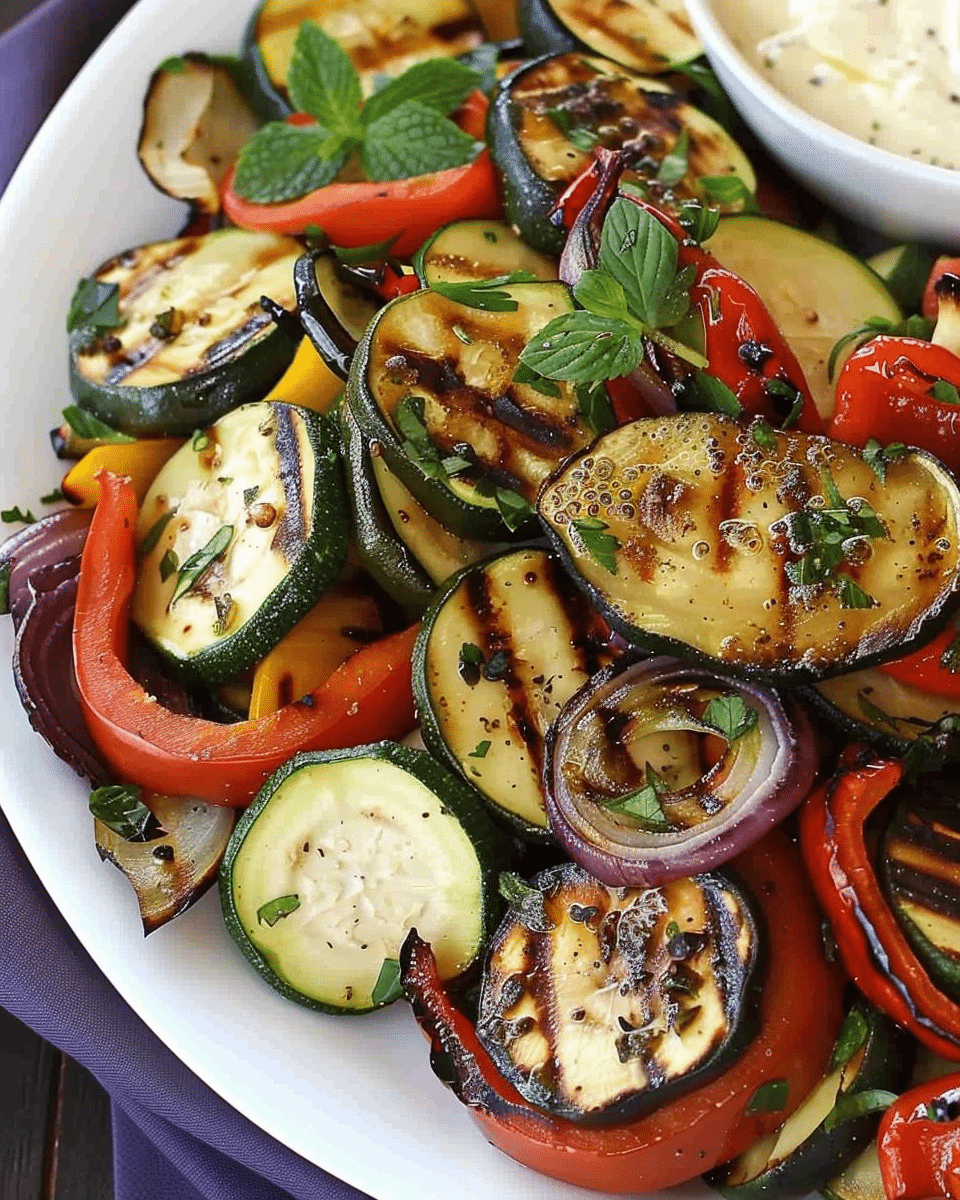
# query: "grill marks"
x,y
296,521
922,857
619,995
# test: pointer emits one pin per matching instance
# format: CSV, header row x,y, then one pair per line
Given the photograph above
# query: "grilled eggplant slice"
x,y
872,706
240,533
195,120
598,1002
381,37
478,249
334,311
920,857
548,116
434,384
777,554
502,650
194,339
340,854
644,35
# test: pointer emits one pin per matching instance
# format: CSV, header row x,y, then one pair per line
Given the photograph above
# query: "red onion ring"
x,y
53,538
760,779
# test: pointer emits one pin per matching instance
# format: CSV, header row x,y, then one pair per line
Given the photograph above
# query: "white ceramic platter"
x,y
353,1095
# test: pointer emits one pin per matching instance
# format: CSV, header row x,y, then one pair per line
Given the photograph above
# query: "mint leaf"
x,y
90,428
674,166
94,305
595,407
642,255
699,221
514,509
413,139
282,162
644,803
583,347
602,294
323,82
713,395
945,392
438,83
728,191
769,1097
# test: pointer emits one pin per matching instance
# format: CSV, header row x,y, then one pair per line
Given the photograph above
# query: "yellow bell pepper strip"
x,y
308,381
367,698
139,461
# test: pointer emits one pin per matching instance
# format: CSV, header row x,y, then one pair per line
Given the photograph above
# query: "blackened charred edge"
x,y
291,534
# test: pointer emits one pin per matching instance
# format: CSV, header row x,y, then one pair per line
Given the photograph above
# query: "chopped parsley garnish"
x,y
11,515
480,750
94,305
402,129
201,561
644,803
275,910
484,294
730,715
596,542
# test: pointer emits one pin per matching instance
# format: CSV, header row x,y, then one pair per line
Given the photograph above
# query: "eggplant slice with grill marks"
x,y
598,1003
499,654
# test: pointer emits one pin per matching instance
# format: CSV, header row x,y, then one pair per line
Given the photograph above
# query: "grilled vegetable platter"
x,y
509,545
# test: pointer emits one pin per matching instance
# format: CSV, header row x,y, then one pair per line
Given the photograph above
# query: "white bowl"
x,y
897,196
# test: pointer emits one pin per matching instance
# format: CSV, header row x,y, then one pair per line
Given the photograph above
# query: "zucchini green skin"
x,y
885,1066
550,642
319,561
333,334
383,555
148,383
489,847
265,99
543,32
675,484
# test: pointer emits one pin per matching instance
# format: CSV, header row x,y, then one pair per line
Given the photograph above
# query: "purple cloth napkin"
x,y
174,1139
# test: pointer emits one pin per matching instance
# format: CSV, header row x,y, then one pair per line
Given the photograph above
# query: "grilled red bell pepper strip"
x,y
886,392
869,939
364,212
926,668
700,1129
366,699
918,1142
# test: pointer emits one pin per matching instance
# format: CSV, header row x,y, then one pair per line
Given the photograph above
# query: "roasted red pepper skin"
x,y
918,1142
362,213
924,668
368,698
870,942
883,393
699,1130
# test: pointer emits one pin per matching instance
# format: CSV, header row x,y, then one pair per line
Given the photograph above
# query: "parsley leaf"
x,y
11,515
121,808
485,294
275,910
596,542
730,715
201,561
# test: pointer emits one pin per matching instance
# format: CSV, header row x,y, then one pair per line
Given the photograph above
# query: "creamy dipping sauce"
x,y
885,71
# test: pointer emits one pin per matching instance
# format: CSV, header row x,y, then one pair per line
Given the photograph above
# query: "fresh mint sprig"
x,y
636,292
400,131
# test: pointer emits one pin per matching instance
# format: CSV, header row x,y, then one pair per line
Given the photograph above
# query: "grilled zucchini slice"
x,y
776,554
194,339
433,383
502,650
644,35
240,533
548,116
477,249
598,1003
873,706
342,853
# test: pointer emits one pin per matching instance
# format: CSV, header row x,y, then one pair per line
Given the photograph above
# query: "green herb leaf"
x,y
641,254
356,256
598,544
675,165
769,1097
950,658
763,434
471,659
438,83
595,407
712,395
877,457
87,427
121,808
858,1104
912,326
175,64
874,713
94,305
699,221
10,516
526,375
282,162
852,595
939,744
729,191
908,279
413,139
487,294
480,750
154,533
275,910
525,901
168,565
514,509
730,715
52,497
388,986
200,561
603,295
701,74
853,1034
644,803
323,82
582,347
945,392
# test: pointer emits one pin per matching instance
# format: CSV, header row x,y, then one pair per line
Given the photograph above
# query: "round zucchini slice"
x,y
644,35
874,707
815,291
194,340
478,249
547,117
774,553
435,384
341,854
600,1003
380,37
504,647
240,533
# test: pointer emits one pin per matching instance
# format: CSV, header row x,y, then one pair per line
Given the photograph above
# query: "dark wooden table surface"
x,y
54,1122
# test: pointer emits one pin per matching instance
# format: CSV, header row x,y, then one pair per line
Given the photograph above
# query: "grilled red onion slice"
x,y
59,536
636,790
